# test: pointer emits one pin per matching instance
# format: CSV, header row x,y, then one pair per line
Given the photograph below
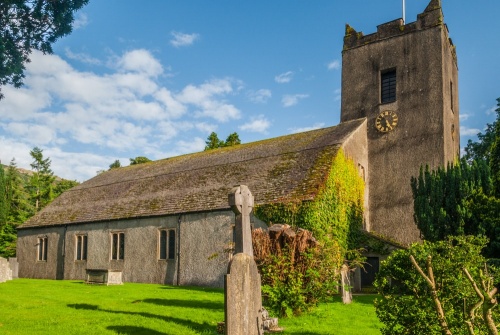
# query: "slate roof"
x,y
282,169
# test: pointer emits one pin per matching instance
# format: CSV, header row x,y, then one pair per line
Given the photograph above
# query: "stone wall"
x,y
199,257
5,271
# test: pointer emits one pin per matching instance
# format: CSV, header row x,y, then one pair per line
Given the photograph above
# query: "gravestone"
x,y
14,266
5,271
243,300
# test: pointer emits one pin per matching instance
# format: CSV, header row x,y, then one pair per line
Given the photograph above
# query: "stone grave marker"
x,y
14,266
5,271
243,300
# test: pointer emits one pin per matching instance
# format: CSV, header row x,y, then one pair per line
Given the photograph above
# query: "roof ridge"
x,y
201,168
83,187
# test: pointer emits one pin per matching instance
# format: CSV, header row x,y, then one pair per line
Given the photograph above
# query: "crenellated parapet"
x,y
431,17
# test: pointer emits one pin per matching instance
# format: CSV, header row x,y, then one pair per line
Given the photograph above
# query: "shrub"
x,y
406,305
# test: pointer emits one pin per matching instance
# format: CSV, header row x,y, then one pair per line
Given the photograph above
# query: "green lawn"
x,y
29,306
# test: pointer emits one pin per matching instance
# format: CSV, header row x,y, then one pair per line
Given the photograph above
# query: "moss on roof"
x,y
282,169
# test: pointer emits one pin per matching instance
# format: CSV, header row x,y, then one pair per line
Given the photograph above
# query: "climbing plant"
x,y
295,282
335,214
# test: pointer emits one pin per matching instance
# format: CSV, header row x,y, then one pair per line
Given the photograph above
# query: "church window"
x,y
42,248
388,86
167,244
118,246
81,247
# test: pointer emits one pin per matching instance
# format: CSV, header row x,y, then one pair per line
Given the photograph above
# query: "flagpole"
x,y
404,11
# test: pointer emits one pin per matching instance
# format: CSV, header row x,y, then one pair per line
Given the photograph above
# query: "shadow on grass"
x,y
194,288
186,303
134,330
186,323
367,299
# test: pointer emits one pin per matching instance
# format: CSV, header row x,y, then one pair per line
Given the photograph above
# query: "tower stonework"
x,y
404,80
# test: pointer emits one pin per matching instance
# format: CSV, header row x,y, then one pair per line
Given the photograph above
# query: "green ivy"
x,y
335,214
335,218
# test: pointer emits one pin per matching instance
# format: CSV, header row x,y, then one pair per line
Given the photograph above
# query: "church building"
x,y
169,221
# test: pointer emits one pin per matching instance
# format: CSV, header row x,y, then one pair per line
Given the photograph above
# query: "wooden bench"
x,y
103,277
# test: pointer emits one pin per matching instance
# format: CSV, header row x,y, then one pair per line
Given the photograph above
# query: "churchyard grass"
x,y
29,306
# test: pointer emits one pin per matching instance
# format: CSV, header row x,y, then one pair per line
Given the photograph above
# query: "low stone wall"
x,y
5,271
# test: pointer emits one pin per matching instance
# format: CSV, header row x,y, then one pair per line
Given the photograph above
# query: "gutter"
x,y
179,249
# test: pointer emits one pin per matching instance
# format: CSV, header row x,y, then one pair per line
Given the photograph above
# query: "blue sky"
x,y
154,78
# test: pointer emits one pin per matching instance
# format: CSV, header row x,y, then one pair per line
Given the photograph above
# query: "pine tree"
x,y
20,208
232,139
213,142
4,206
495,153
42,180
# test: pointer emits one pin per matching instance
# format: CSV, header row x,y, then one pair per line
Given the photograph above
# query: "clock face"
x,y
386,121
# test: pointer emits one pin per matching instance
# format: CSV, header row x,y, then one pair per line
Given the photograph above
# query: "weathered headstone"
x,y
345,287
5,271
243,300
241,202
14,266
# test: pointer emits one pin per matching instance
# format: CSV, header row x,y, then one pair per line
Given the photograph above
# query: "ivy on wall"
x,y
335,213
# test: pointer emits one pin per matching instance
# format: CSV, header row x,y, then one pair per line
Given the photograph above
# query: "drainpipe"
x,y
64,250
179,249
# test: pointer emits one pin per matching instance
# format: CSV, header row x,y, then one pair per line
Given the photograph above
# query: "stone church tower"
x,y
404,80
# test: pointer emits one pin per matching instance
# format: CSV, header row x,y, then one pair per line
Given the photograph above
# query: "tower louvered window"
x,y
388,86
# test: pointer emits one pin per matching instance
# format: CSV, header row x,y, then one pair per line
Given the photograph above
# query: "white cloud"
x,y
125,110
491,110
464,116
259,96
290,100
464,131
32,133
284,77
303,129
81,57
334,65
140,61
181,40
257,124
186,147
204,97
337,94
81,20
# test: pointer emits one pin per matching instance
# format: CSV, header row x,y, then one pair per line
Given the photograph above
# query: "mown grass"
x,y
29,306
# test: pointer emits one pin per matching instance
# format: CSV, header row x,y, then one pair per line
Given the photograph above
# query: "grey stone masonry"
x,y
14,266
243,300
5,271
241,202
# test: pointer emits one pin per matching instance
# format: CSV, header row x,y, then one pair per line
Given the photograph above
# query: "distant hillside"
x,y
27,173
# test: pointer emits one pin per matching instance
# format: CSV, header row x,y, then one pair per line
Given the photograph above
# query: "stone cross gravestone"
x,y
241,202
243,300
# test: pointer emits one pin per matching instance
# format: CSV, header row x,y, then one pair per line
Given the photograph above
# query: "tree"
x,y
482,149
232,139
115,164
408,303
4,206
494,158
139,160
20,208
442,199
213,142
64,185
42,181
27,25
